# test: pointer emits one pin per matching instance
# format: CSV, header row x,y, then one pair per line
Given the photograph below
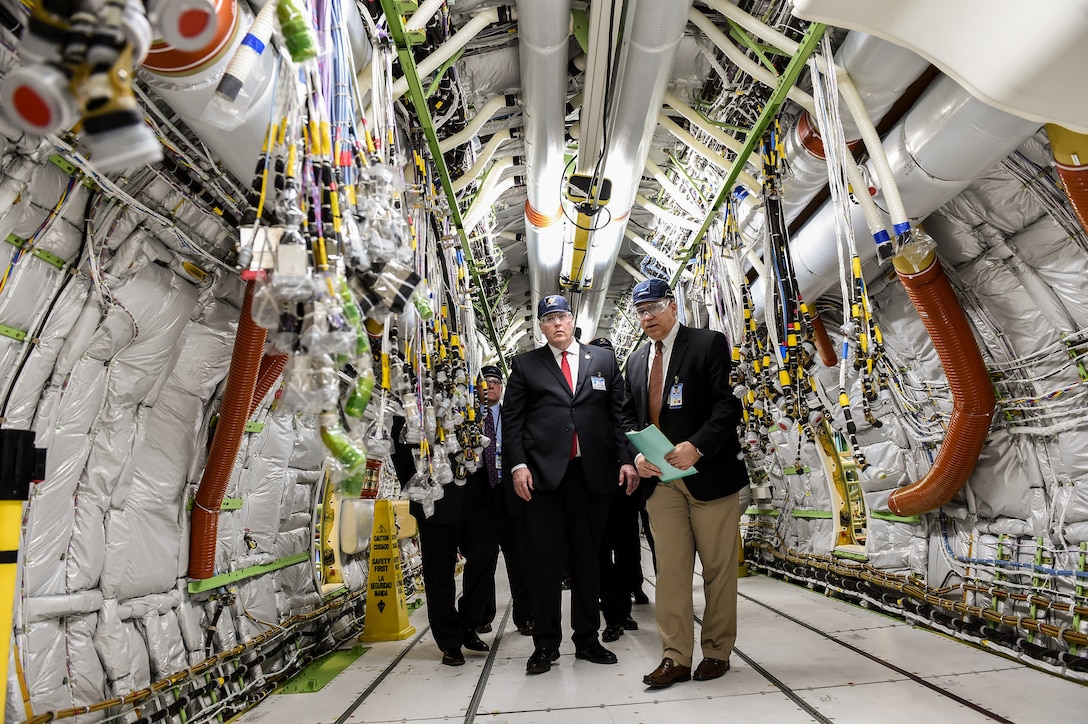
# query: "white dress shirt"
x,y
666,356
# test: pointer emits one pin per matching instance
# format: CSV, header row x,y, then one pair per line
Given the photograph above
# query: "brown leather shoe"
x,y
710,669
667,674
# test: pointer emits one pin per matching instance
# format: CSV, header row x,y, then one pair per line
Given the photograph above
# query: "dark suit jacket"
x,y
708,416
540,416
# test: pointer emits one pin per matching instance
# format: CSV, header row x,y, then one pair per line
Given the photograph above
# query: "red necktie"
x,y
563,365
654,391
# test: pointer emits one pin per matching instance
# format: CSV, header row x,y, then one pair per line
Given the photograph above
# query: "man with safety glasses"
x,y
679,381
564,446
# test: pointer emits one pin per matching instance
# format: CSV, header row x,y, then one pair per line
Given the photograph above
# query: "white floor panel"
x,y
827,614
1021,694
899,702
839,684
772,708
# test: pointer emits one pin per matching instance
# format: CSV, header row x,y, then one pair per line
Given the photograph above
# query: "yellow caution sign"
x,y
386,606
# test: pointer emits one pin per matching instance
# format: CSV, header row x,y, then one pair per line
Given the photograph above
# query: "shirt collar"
x,y
572,348
670,338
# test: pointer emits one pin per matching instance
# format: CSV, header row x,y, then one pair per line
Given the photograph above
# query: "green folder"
x,y
654,446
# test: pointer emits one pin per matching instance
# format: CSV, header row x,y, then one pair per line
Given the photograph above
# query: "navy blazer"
x,y
540,416
707,416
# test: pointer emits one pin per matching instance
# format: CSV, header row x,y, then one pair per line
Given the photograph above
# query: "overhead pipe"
x,y
708,153
451,47
666,215
651,35
1070,150
423,15
484,202
472,128
681,199
939,147
486,154
973,401
543,39
708,128
754,26
234,410
742,61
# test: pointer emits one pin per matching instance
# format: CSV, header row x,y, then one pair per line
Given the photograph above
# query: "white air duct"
x,y
543,39
943,144
651,35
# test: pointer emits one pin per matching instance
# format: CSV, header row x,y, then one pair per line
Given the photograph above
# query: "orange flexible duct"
x,y
1070,151
812,141
271,369
824,346
538,219
245,365
973,400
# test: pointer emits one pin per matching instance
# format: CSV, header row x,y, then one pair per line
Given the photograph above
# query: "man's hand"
x,y
646,469
683,456
628,478
523,483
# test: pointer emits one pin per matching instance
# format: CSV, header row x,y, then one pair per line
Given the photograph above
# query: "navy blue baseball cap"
x,y
650,290
552,303
491,371
602,342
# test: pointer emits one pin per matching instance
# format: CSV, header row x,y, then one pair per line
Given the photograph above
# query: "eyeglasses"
x,y
651,310
556,318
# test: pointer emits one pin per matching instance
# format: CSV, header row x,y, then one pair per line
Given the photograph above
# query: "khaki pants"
x,y
682,526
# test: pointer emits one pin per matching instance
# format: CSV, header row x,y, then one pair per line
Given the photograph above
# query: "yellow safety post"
x,y
19,464
386,604
742,567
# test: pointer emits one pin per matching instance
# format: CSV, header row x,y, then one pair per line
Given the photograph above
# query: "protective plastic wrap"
x,y
165,647
1047,249
23,407
257,597
1016,313
490,73
262,486
123,654
1002,481
61,664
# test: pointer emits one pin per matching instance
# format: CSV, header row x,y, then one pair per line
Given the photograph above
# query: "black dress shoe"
x,y
640,597
595,654
541,660
666,674
453,657
473,642
485,628
612,632
525,628
629,624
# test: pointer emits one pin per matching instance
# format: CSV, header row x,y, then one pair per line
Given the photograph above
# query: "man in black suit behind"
x,y
679,381
564,448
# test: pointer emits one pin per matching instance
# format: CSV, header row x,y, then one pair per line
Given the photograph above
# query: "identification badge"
x,y
598,382
676,396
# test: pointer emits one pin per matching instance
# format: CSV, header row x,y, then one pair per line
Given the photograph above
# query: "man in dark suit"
x,y
564,448
621,555
509,513
463,520
679,381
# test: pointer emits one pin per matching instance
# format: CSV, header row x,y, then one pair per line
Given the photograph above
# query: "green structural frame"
x,y
391,8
